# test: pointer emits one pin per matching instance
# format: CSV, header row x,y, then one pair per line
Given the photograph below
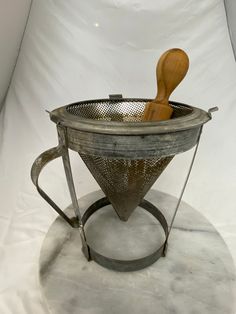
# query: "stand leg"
x,y
182,192
67,167
70,182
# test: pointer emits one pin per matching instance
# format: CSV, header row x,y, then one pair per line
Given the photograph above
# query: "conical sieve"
x,y
125,155
120,154
125,182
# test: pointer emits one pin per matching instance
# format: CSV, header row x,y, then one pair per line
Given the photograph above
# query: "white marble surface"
x,y
196,276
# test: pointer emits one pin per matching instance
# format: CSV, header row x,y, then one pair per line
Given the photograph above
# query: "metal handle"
x,y
40,162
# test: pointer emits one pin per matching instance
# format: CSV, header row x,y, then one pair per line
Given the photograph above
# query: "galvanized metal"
x,y
125,182
113,128
128,160
67,167
104,116
41,161
125,156
183,189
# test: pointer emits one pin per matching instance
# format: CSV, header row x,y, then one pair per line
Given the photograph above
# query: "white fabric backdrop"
x,y
75,50
13,16
230,6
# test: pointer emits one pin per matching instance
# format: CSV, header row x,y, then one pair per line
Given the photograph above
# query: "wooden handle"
x,y
171,69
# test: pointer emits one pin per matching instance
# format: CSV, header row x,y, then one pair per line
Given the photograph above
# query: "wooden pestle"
x,y
170,71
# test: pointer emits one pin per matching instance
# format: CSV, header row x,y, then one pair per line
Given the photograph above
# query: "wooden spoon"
x,y
170,71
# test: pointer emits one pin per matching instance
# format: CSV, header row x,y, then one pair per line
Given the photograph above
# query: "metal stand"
x,y
182,191
132,265
126,265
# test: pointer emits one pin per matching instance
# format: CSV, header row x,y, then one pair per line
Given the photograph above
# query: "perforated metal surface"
x,y
117,110
124,177
124,154
125,182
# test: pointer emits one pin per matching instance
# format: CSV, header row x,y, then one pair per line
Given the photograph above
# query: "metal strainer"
x,y
124,154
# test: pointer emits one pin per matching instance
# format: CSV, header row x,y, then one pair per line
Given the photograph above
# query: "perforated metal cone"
x,y
125,182
125,156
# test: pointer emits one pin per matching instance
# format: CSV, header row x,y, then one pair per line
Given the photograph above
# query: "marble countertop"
x,y
196,276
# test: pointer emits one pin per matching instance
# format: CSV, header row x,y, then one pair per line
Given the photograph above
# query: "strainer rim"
x,y
194,119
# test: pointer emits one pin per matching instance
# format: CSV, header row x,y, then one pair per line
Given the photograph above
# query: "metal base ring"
x,y
126,265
